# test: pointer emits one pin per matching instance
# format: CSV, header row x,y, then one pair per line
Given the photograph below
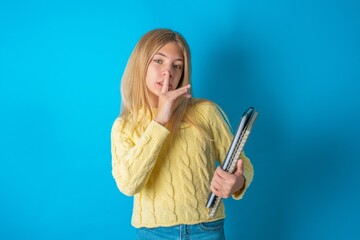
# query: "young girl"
x,y
165,145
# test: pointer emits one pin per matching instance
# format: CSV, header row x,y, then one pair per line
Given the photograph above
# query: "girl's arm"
x,y
133,160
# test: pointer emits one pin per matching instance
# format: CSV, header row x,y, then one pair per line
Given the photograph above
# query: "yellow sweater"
x,y
171,184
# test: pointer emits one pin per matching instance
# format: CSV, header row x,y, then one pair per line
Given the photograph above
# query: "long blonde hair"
x,y
134,92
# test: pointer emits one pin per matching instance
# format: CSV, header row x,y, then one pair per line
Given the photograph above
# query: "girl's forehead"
x,y
171,48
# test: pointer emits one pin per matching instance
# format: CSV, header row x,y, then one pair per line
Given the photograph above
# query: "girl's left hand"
x,y
224,184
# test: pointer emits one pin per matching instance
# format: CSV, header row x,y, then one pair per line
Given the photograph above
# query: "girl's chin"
x,y
154,96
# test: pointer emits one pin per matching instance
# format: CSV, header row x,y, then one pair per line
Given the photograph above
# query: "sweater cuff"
x,y
156,131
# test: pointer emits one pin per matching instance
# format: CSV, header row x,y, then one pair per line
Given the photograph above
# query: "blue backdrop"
x,y
296,62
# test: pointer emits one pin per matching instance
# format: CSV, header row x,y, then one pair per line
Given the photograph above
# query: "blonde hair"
x,y
134,92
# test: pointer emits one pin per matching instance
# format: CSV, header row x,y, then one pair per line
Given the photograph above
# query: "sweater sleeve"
x,y
133,160
222,140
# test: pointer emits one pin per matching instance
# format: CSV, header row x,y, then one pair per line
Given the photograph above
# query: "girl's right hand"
x,y
167,100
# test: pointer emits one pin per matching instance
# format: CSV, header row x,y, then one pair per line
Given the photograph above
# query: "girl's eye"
x,y
158,61
179,67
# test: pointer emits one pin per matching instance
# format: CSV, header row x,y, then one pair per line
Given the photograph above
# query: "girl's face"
x,y
168,60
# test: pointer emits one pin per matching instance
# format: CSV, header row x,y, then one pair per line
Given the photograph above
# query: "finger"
x,y
223,186
216,179
225,183
220,192
165,86
216,191
216,184
225,179
239,167
222,174
183,91
186,87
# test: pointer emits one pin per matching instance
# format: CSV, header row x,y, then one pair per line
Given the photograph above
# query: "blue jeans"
x,y
202,231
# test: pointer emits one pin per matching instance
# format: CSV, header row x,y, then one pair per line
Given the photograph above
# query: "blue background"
x,y
296,62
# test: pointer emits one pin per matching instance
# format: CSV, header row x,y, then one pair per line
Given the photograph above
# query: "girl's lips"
x,y
160,84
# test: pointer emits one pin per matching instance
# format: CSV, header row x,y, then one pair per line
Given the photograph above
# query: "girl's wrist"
x,y
160,122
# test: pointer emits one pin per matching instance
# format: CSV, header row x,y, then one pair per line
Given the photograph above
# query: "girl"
x,y
165,145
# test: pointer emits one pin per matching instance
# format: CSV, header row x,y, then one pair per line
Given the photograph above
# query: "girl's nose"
x,y
167,72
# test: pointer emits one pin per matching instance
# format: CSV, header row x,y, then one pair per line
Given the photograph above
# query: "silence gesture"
x,y
167,100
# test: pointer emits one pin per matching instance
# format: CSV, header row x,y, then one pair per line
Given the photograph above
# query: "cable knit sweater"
x,y
171,183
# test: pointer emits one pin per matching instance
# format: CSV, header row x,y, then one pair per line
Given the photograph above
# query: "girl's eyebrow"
x,y
161,54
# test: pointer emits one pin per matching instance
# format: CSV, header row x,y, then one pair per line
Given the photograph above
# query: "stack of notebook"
x,y
236,147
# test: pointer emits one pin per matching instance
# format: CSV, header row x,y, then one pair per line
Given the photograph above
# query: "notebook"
x,y
236,147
